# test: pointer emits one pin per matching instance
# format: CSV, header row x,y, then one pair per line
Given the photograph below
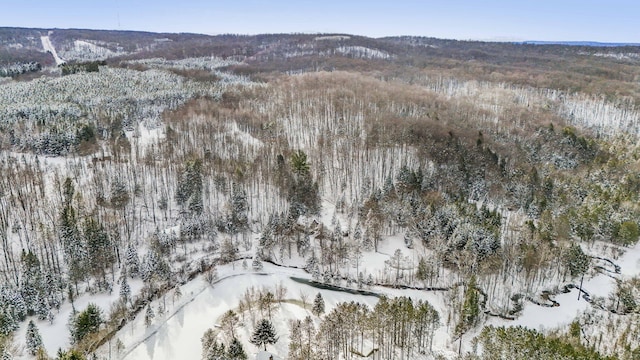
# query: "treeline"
x,y
520,343
19,68
79,67
396,328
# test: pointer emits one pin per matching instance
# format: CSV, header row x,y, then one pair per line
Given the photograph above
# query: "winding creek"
x,y
178,333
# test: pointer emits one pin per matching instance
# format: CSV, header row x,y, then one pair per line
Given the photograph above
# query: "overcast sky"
x,y
566,20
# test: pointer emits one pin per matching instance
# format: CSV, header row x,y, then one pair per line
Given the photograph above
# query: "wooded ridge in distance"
x,y
316,196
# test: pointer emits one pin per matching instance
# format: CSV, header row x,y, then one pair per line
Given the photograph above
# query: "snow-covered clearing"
x,y
48,46
363,52
88,51
55,335
178,334
570,305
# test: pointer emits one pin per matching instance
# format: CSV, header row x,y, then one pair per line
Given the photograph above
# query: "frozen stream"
x,y
178,335
600,285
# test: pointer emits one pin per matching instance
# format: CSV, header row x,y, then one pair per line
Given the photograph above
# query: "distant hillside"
x,y
579,43
589,67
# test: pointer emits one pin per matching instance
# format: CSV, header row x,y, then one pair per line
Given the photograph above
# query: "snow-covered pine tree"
x,y
119,195
34,340
422,272
263,334
125,290
257,264
239,207
318,305
228,251
189,191
311,263
85,323
6,355
73,247
43,309
236,351
132,261
100,249
216,351
303,244
31,285
470,308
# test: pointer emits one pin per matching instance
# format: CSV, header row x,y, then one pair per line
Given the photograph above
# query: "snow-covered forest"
x,y
314,197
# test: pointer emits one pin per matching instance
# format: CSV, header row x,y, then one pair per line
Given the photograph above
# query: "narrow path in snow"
x,y
48,46
179,308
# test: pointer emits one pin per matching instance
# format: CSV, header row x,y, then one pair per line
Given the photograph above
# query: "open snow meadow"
x,y
327,196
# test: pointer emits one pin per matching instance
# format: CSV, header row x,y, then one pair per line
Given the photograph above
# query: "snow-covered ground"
x,y
88,51
570,305
55,334
178,334
48,46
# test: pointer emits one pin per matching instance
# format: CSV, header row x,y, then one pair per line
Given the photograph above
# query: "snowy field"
x,y
570,304
178,334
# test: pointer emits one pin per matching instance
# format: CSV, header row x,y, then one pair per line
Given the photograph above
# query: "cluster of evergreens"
x,y
396,328
519,343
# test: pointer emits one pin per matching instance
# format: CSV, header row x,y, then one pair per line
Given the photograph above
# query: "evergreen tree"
x,y
73,248
299,163
216,351
257,264
31,284
100,249
86,322
236,351
6,355
132,261
303,191
520,343
42,309
295,339
357,233
70,355
154,267
577,261
119,196
34,340
177,293
318,305
470,308
189,190
423,272
311,263
208,340
125,290
370,280
238,220
228,251
8,323
263,334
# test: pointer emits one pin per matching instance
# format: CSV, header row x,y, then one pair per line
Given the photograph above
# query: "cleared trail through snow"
x,y
48,46
180,308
